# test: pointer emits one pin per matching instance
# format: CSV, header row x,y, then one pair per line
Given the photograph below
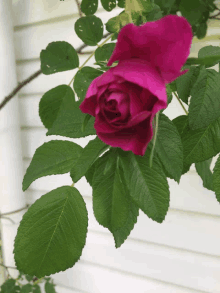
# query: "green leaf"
x,y
89,6
26,288
29,278
108,5
49,288
148,187
83,79
51,158
208,61
203,169
121,3
52,233
192,10
154,14
58,56
70,119
169,147
209,51
113,25
201,30
51,102
185,82
88,155
182,125
204,106
89,29
216,179
8,286
36,289
85,121
169,94
165,5
111,203
122,233
104,53
201,144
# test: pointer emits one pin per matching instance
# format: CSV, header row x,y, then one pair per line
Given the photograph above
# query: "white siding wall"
x,y
181,255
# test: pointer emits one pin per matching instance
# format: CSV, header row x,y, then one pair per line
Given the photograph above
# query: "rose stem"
x,y
154,140
181,103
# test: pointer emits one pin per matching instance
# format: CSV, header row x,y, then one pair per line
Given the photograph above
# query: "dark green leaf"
x,y
201,144
52,233
203,169
8,286
208,61
89,29
169,147
216,179
148,187
88,155
201,30
49,288
58,56
70,119
26,288
192,10
165,5
36,289
208,51
108,5
104,53
204,106
113,25
121,3
89,6
185,82
111,204
169,94
29,278
51,101
85,121
154,14
83,79
51,158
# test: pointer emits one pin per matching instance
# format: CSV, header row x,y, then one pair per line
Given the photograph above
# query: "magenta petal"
x,y
135,140
165,43
140,72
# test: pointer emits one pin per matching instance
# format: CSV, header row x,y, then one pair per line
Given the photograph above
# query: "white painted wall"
x,y
181,255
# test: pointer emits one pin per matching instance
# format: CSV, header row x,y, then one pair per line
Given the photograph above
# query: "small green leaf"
x,y
52,233
121,3
147,186
204,106
58,56
88,155
113,25
201,30
26,288
49,288
70,119
36,289
203,169
104,53
208,61
185,82
89,29
108,5
51,158
169,94
51,102
89,6
83,79
201,144
192,10
209,51
216,179
85,122
29,278
169,147
8,286
111,203
165,5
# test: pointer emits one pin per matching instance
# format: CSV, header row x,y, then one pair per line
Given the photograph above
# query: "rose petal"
x,y
135,140
141,72
165,43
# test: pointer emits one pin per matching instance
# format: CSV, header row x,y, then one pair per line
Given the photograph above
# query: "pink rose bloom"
x,y
125,99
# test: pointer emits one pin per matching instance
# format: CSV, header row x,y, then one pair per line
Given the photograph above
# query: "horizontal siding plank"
x,y
62,289
94,278
182,230
148,260
30,41
26,12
